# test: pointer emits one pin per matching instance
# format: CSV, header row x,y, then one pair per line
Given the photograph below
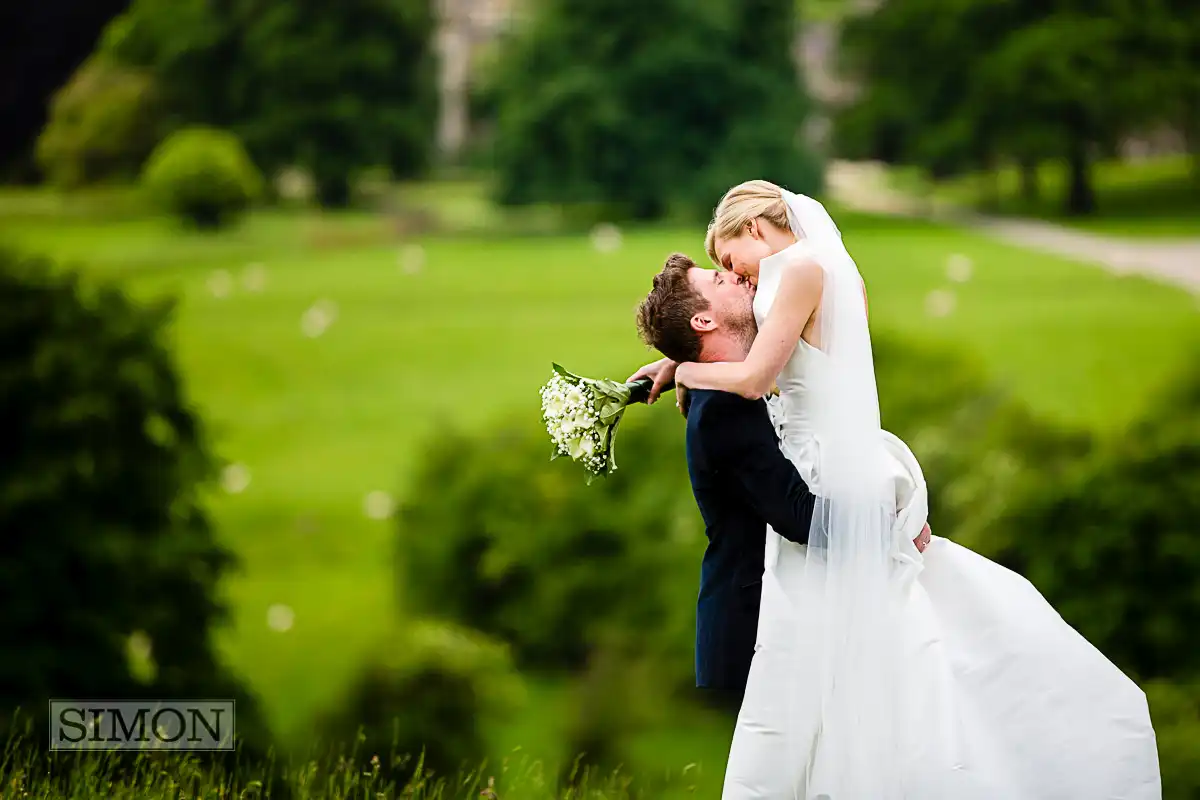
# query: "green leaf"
x,y
613,389
571,376
611,411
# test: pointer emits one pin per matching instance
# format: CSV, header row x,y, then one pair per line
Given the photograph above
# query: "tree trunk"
x,y
1081,196
647,208
989,190
1029,180
333,191
1190,126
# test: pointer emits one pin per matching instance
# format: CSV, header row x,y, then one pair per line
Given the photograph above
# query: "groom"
x,y
740,478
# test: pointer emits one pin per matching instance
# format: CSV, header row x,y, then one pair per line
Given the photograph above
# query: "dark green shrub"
x,y
1113,543
1175,710
979,446
102,125
104,541
498,537
619,694
203,176
424,700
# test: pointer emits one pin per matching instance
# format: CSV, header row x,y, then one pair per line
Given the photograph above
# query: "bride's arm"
x,y
799,293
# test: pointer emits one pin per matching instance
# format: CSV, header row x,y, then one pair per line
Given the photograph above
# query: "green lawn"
x,y
1155,198
321,422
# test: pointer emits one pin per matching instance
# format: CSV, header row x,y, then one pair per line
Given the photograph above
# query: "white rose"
x,y
575,447
554,405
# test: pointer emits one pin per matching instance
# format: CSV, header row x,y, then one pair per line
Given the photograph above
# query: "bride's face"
x,y
742,254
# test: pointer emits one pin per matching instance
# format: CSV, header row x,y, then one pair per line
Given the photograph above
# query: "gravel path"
x,y
1177,262
1170,261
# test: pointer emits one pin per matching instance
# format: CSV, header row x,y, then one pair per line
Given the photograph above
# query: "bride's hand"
x,y
662,372
682,373
922,540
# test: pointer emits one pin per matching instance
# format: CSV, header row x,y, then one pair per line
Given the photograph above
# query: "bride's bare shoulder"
x,y
800,265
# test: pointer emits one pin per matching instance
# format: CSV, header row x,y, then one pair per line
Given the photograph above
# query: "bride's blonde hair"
x,y
741,204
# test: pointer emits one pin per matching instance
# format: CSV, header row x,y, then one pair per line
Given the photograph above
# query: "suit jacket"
x,y
742,482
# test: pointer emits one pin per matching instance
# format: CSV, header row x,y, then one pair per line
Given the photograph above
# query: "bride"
x,y
881,673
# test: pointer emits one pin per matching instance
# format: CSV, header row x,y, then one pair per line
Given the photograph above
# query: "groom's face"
x,y
730,300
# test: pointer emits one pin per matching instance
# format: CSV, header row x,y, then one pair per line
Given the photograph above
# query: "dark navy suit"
x,y
742,482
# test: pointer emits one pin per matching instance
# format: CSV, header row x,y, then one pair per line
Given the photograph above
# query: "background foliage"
x,y
103,123
1018,82
332,89
422,702
126,573
605,104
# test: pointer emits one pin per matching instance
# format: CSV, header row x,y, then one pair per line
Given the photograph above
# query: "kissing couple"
x,y
868,659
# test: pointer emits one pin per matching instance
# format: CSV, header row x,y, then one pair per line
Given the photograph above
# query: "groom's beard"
x,y
743,329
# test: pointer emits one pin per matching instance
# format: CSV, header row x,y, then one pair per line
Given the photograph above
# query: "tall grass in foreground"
x,y
176,776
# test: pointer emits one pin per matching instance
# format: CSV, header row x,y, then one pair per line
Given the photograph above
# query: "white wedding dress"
x,y
1007,701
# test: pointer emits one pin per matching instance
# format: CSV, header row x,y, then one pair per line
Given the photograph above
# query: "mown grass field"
x,y
458,329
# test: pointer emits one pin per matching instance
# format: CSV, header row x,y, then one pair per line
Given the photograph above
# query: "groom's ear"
x,y
704,322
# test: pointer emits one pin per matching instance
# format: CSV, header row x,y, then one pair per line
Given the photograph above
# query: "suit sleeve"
x,y
741,442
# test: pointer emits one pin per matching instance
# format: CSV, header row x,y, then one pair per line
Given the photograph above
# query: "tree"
x,y
604,103
103,124
193,50
338,88
1166,34
109,567
916,109
41,46
1059,82
334,89
998,80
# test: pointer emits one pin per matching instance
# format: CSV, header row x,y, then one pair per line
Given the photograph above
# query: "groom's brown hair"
x,y
664,318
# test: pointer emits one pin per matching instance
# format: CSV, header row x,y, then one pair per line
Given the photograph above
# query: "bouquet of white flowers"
x,y
582,414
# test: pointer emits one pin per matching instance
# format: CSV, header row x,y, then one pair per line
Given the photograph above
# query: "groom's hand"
x,y
922,540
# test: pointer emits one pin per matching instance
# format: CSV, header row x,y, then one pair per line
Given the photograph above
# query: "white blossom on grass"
x,y
606,238
959,268
254,278
313,323
379,505
235,478
940,303
328,308
317,319
220,283
280,618
411,259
